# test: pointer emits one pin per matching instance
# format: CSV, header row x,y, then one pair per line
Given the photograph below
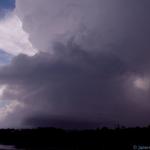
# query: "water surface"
x,y
7,147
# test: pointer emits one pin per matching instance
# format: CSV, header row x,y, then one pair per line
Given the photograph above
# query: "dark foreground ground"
x,y
58,139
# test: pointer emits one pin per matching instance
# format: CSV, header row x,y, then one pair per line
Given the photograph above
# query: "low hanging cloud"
x,y
78,88
92,65
74,86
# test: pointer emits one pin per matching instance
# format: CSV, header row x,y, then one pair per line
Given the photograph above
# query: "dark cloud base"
x,y
91,68
71,88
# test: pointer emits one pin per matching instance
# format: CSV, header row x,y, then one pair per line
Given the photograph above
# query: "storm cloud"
x,y
92,65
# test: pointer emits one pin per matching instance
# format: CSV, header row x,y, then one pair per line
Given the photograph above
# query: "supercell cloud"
x,y
91,68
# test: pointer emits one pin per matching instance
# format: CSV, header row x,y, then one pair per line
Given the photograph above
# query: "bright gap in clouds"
x,y
138,83
7,106
141,83
137,88
5,58
13,39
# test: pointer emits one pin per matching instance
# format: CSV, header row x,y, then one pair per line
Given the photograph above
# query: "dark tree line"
x,y
99,139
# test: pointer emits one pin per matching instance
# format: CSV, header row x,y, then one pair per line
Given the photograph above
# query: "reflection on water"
x,y
11,147
7,147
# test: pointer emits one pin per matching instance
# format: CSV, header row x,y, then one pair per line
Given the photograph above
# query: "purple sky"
x,y
76,64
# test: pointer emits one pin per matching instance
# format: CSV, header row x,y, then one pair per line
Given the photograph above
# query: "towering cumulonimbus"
x,y
91,65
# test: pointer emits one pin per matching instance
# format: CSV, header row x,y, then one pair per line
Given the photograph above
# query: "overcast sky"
x,y
74,64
